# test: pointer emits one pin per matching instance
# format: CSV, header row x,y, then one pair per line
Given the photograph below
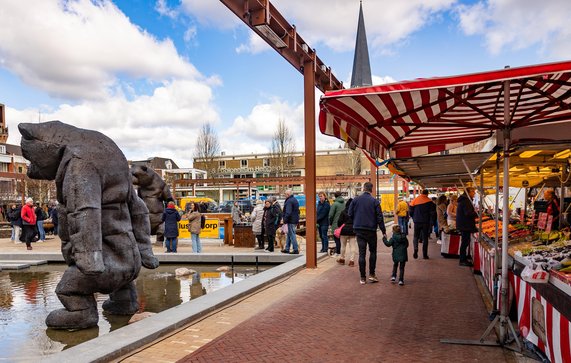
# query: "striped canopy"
x,y
425,116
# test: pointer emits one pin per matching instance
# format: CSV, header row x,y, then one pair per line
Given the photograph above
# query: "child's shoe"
x,y
393,279
401,282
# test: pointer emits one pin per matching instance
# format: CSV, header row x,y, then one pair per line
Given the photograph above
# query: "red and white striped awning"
x,y
424,116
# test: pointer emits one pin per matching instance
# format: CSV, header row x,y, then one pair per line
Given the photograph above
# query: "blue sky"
x,y
149,73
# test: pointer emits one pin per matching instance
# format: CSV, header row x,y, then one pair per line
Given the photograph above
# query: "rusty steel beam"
x,y
310,166
264,19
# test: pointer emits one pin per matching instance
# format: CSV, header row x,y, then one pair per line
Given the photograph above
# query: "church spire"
x,y
361,75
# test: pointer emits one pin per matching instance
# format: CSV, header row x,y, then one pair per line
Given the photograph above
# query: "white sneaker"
x,y
438,242
393,279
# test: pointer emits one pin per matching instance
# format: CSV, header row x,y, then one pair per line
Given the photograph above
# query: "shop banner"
x,y
210,230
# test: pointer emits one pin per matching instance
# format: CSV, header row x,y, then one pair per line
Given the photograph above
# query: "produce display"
x,y
556,256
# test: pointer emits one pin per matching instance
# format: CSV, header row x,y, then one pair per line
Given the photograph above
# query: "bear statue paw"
x,y
72,320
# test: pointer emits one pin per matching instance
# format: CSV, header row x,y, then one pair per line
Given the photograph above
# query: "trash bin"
x,y
221,232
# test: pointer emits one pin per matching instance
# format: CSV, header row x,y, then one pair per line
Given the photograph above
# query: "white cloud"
x,y
211,13
519,24
165,123
162,8
334,22
255,45
75,49
190,34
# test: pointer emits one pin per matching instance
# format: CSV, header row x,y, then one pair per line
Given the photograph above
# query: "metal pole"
x,y
506,216
497,244
310,173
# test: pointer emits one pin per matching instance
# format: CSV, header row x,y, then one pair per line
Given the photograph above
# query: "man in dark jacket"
x,y
423,213
367,216
16,222
171,217
291,218
323,208
466,222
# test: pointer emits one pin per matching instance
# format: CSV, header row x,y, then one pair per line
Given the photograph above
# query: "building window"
x,y
290,160
2,149
20,170
266,162
244,163
222,163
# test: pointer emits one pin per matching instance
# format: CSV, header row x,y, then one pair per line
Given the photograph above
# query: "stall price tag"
x,y
549,223
542,220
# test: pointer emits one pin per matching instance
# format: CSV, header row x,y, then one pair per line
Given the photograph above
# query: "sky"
x,y
150,73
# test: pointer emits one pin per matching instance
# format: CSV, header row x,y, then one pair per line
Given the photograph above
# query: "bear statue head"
x,y
143,176
43,148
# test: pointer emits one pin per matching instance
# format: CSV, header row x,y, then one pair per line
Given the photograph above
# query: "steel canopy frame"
x,y
430,115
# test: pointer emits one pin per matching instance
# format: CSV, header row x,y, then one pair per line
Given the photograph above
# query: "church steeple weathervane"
x,y
361,75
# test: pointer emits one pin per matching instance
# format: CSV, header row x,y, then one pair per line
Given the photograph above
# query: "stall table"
x,y
243,235
450,244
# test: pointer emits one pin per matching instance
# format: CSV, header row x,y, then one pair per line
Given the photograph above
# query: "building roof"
x,y
157,163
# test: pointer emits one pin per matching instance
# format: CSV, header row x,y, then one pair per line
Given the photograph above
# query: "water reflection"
x,y
27,296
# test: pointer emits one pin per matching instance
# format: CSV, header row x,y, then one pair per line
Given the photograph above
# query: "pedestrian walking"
x,y
466,222
257,217
347,236
402,215
441,216
323,209
41,216
423,213
16,222
451,211
272,216
334,213
194,220
28,223
170,218
291,218
55,220
399,243
367,216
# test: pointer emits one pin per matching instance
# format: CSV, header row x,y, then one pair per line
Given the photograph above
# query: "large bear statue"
x,y
153,190
103,224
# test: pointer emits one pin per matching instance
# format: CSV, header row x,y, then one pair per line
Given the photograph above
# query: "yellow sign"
x,y
210,230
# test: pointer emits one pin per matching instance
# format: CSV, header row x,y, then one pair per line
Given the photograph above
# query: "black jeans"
x,y
367,238
464,243
401,270
271,240
421,230
260,238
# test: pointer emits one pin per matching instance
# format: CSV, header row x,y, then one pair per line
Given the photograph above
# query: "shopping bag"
x,y
535,276
337,231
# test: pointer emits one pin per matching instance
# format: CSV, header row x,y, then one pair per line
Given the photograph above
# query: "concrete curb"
x,y
131,337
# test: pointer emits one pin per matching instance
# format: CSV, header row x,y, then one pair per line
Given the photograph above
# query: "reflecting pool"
x,y
27,297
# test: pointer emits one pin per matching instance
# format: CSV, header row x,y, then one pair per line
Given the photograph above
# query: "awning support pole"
x,y
496,246
310,173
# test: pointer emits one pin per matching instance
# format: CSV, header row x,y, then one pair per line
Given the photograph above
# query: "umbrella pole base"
x,y
483,342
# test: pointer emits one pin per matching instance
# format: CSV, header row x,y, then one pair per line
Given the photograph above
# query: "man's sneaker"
x,y
393,279
415,254
401,282
295,252
363,281
373,278
284,251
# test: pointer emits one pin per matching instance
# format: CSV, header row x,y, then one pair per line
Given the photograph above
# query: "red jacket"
x,y
28,214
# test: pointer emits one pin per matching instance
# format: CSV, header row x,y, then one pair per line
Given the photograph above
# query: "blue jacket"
x,y
323,213
171,218
366,213
291,210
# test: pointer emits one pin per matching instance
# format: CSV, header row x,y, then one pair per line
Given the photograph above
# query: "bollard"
x,y
256,263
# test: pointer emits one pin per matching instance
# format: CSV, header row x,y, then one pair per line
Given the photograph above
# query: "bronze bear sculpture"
x,y
103,224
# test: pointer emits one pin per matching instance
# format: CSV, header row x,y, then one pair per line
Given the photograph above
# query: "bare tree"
x,y
207,148
282,149
354,163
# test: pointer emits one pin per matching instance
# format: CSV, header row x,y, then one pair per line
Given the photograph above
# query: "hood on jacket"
x,y
421,199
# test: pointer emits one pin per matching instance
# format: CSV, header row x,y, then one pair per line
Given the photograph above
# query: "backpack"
x,y
202,221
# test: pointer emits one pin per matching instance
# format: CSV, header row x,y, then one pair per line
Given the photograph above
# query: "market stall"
x,y
429,115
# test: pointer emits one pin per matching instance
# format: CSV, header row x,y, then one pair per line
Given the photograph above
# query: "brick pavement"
x,y
333,318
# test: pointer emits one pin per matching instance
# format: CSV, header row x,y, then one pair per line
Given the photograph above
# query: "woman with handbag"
x,y
28,223
347,236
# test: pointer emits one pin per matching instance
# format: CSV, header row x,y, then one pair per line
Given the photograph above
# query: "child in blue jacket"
x,y
399,243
